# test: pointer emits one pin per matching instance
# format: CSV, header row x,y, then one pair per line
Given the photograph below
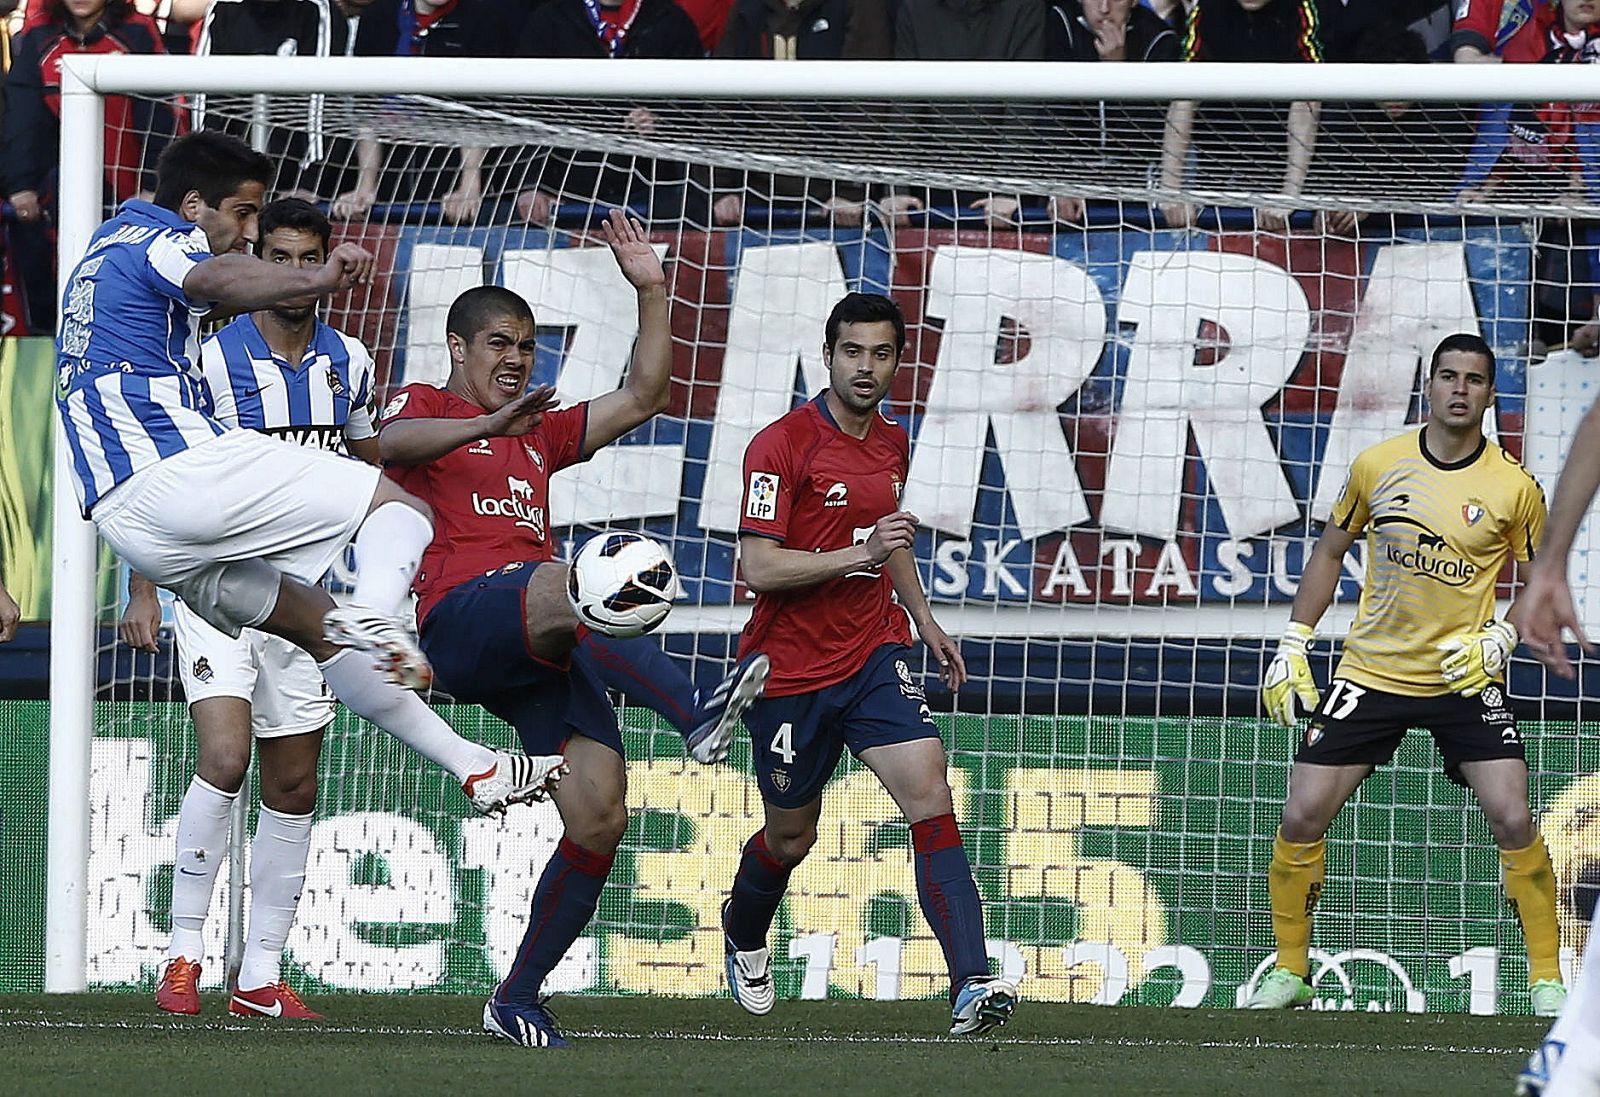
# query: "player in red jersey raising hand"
x,y
492,596
824,544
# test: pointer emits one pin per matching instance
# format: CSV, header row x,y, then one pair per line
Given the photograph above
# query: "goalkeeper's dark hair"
x,y
865,308
212,163
294,213
1467,341
480,306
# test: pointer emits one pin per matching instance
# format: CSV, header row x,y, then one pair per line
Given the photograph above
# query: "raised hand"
x,y
631,247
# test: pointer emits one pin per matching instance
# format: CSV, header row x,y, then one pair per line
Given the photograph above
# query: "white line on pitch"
x,y
1255,1043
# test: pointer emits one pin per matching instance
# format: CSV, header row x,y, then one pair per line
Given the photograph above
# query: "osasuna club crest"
x,y
1471,512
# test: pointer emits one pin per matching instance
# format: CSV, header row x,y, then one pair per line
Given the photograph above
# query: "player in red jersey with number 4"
x,y
824,544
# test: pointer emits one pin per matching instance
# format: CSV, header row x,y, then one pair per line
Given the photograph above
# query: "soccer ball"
x,y
622,584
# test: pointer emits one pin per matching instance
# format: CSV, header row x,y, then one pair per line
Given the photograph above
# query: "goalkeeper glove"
x,y
1474,659
1289,676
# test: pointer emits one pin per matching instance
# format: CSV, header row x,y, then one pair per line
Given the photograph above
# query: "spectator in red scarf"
x,y
136,130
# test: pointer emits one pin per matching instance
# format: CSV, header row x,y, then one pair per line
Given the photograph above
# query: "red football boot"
x,y
178,992
274,1001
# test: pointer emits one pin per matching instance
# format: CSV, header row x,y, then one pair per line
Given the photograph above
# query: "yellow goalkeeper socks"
x,y
1295,883
1531,887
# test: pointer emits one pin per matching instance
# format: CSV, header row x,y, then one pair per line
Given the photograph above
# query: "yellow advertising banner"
x,y
27,431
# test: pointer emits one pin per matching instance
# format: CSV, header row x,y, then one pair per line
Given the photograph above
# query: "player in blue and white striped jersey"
x,y
238,524
282,372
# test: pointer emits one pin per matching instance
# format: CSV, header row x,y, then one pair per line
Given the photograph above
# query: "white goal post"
x,y
87,79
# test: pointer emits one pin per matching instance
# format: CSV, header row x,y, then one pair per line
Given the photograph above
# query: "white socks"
x,y
356,680
389,546
277,873
202,844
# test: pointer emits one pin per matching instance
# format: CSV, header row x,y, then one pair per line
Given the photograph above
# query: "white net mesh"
x,y
1125,437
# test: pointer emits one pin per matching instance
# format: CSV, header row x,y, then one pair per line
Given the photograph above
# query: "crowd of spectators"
x,y
1181,146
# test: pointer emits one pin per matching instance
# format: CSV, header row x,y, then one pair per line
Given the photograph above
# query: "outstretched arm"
x,y
418,441
240,283
644,393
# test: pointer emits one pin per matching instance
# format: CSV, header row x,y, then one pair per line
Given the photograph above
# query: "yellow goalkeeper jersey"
x,y
1437,537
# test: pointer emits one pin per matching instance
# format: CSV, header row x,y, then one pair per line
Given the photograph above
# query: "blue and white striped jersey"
x,y
319,401
127,373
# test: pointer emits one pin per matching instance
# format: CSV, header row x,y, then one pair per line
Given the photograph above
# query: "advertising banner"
x,y
1120,861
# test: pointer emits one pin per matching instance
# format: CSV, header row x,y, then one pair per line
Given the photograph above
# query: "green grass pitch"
x,y
113,1044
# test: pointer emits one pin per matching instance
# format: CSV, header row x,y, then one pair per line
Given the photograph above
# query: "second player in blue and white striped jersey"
x,y
322,399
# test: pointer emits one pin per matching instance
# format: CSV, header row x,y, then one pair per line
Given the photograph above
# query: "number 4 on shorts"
x,y
783,743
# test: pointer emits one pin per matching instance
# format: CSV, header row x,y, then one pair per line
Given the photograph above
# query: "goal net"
x,y
1146,342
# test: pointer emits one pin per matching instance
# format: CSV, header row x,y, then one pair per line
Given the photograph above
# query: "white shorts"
x,y
203,522
285,690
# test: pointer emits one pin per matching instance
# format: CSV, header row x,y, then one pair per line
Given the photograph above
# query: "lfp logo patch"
x,y
761,502
1471,512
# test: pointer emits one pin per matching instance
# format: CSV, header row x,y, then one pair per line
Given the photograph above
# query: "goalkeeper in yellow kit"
x,y
1442,507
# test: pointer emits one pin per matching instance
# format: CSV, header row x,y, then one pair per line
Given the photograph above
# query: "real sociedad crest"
x,y
1471,512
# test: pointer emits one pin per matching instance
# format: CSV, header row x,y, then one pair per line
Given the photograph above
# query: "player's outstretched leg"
x,y
202,844
491,779
1575,1035
1547,1059
388,547
717,715
592,807
1567,1061
639,670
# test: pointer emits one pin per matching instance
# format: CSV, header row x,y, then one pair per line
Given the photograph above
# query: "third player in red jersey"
x,y
825,546
811,486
